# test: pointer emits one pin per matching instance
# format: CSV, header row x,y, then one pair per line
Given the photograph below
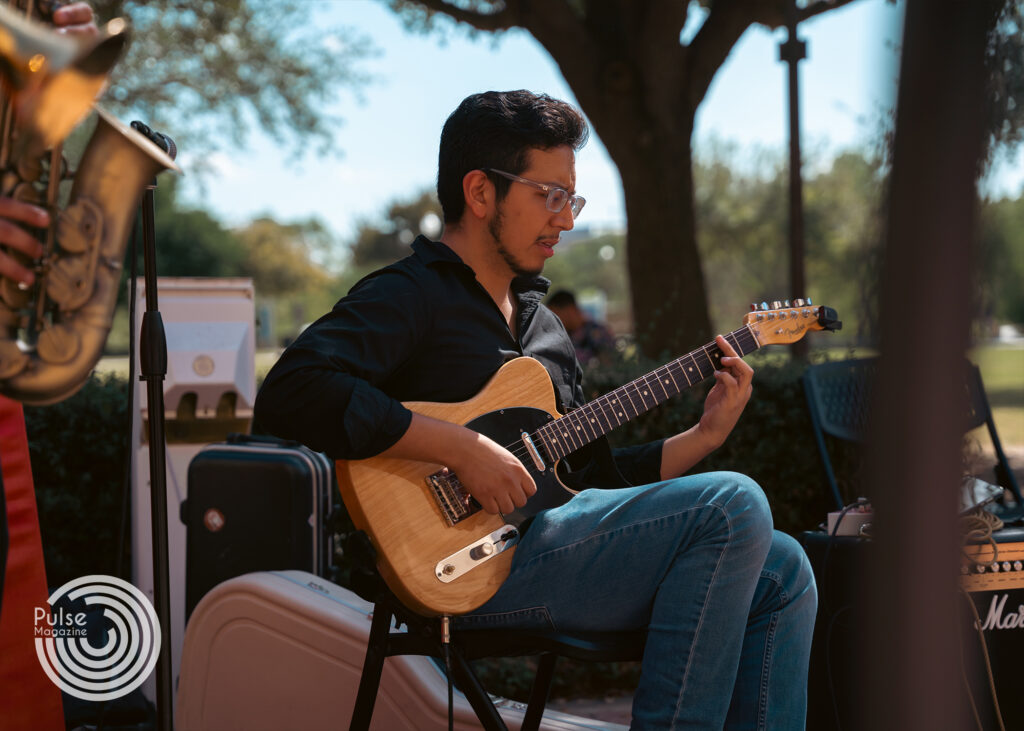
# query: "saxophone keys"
x,y
11,292
58,344
80,226
12,359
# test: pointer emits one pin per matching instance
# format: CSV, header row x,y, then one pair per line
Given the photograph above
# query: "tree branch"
x,y
723,28
503,19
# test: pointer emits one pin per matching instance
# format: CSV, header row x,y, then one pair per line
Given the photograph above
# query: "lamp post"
x,y
791,51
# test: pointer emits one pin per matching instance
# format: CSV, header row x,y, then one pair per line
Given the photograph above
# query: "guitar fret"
x,y
600,404
697,366
589,420
551,444
625,390
663,382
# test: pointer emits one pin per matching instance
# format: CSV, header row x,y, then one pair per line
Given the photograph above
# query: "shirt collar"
x,y
531,288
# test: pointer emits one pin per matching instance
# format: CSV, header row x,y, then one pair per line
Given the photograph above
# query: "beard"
x,y
494,228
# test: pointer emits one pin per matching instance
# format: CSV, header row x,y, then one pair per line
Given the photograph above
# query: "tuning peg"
x,y
809,303
798,302
753,307
764,305
776,305
786,304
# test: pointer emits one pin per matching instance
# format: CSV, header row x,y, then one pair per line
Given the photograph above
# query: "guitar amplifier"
x,y
992,578
255,504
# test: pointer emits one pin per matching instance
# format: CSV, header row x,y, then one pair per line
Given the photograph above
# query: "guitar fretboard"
x,y
598,417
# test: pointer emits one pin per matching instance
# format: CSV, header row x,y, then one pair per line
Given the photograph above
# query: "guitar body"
x,y
391,501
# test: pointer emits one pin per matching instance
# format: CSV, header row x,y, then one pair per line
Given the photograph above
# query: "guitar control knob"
x,y
482,551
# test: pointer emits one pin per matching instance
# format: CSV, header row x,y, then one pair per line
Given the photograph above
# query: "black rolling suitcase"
x,y
255,504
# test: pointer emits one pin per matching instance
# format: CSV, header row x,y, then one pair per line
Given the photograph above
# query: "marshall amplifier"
x,y
992,580
993,577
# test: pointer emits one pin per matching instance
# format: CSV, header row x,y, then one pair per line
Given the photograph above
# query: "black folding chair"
x,y
838,397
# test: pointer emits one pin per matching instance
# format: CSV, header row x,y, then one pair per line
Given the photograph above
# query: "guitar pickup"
x,y
531,449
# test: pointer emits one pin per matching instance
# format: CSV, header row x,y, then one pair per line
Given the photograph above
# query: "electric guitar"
x,y
436,549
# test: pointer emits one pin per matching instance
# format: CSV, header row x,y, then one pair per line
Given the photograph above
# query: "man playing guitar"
x,y
727,602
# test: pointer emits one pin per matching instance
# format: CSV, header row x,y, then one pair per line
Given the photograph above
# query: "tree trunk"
x,y
670,311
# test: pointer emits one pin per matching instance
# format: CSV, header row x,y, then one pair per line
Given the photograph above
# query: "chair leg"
x,y
470,686
373,668
539,692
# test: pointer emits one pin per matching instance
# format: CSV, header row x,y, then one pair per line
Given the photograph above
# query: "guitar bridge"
x,y
454,500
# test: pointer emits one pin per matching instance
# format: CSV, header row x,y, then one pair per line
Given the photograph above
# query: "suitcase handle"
x,y
238,438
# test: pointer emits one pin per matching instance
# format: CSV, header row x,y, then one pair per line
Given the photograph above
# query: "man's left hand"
x,y
728,397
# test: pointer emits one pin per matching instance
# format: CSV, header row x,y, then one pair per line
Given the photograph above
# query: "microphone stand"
x,y
153,370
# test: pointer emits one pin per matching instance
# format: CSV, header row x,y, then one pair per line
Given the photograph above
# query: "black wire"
x,y
447,652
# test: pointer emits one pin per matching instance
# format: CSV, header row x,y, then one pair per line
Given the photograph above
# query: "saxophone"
x,y
53,332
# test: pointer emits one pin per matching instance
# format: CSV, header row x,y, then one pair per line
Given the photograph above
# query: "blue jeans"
x,y
728,602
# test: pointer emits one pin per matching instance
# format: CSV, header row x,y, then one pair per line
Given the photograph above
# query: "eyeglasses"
x,y
557,197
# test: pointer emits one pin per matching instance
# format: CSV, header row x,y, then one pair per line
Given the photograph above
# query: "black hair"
x,y
497,129
561,298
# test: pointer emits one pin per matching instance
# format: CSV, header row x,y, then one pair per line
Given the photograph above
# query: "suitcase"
x,y
256,504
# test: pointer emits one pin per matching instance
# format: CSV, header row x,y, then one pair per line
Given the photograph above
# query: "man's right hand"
x,y
14,215
491,474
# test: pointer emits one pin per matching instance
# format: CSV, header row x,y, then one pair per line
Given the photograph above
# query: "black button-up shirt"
x,y
423,329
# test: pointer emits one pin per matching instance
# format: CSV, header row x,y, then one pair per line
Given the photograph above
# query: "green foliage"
x,y
377,244
1001,269
743,234
594,265
1004,60
228,66
190,242
79,452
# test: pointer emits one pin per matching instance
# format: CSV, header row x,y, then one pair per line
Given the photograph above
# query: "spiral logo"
x,y
126,657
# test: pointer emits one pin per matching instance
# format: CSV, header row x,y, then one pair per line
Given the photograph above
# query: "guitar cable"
x,y
446,651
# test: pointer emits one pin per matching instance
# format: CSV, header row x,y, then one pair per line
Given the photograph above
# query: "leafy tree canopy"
x,y
207,73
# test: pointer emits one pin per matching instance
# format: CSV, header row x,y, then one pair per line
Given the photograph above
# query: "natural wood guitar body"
x,y
389,499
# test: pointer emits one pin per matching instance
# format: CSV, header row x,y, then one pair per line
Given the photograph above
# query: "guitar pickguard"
x,y
505,426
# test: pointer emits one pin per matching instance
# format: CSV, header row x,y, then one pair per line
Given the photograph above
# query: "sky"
x,y
388,142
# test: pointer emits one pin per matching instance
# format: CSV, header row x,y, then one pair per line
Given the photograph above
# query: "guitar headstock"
x,y
786,322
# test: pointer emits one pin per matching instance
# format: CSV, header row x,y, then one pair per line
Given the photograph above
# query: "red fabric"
x,y
28,700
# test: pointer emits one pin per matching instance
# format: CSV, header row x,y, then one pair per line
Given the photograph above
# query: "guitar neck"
x,y
598,417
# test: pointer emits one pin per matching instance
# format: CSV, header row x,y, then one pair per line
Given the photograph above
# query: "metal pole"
x,y
153,370
791,51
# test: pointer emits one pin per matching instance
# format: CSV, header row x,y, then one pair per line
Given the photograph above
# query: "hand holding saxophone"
x,y
12,213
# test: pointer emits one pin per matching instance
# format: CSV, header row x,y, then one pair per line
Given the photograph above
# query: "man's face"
x,y
524,230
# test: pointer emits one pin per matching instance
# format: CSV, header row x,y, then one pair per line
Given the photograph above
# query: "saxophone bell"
x,y
53,79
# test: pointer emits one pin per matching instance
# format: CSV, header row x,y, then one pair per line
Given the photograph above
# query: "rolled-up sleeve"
x,y
325,390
